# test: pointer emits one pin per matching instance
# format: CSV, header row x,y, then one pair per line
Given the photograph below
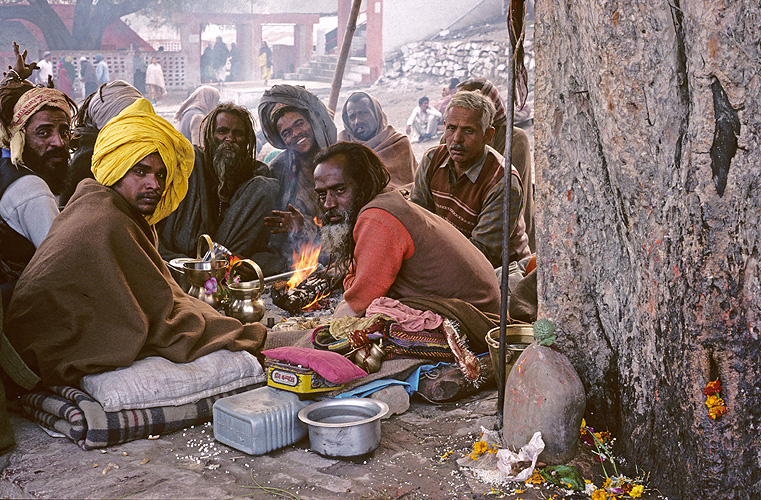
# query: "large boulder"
x,y
543,393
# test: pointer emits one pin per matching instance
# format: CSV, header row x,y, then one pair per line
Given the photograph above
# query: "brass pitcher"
x,y
247,305
370,358
199,271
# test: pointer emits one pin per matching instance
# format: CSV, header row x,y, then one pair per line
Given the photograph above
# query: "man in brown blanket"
x,y
97,295
366,123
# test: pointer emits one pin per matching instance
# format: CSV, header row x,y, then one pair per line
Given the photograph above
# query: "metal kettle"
x,y
199,271
247,305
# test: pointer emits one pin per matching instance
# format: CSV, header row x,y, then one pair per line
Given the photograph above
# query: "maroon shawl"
x,y
392,147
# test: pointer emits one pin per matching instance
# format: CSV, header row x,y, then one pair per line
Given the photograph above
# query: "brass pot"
x,y
247,305
370,359
517,338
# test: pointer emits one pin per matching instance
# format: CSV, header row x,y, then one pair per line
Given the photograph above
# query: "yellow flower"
x,y
480,447
608,483
636,491
535,478
714,400
599,495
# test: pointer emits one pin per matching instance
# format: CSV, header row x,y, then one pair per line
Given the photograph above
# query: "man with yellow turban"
x,y
35,133
97,295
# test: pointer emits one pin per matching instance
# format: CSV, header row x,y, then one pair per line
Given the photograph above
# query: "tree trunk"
x,y
91,21
39,13
647,131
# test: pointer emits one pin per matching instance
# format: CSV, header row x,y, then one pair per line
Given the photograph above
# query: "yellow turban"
x,y
132,135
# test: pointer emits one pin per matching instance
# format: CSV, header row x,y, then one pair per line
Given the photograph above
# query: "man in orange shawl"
x,y
97,295
366,123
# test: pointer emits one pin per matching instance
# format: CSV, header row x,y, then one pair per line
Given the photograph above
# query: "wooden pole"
x,y
506,229
338,76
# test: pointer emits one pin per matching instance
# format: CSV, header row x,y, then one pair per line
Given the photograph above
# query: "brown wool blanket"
x,y
97,296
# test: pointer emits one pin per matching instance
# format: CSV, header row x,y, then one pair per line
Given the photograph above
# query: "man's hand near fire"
x,y
291,221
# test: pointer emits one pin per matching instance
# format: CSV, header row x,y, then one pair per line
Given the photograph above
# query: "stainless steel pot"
x,y
344,427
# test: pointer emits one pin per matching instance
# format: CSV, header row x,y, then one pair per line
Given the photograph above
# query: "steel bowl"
x,y
344,427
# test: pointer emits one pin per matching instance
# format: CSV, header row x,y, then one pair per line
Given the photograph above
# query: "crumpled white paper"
x,y
506,459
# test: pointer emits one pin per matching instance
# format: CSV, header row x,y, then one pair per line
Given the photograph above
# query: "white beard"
x,y
336,240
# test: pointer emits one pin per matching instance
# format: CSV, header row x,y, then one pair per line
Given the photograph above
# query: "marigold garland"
x,y
481,447
714,402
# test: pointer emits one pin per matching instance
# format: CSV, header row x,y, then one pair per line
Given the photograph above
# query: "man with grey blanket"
x,y
229,194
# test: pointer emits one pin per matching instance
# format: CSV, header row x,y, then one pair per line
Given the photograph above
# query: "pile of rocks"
x,y
454,58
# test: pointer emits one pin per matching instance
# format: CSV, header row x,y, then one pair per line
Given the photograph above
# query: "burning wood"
x,y
304,289
315,287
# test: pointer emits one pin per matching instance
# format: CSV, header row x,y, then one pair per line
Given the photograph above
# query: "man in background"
x,y
101,70
366,123
423,120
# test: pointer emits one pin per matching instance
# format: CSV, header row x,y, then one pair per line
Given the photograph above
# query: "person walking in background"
x,y
154,81
65,84
207,72
139,68
45,71
219,56
101,70
265,62
66,75
89,76
235,61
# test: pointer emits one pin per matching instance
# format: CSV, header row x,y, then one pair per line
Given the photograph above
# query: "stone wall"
x,y
647,133
454,58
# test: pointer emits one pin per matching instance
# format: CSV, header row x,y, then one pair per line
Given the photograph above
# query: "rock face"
x,y
543,393
647,133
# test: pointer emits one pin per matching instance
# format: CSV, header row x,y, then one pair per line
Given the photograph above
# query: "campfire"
x,y
308,285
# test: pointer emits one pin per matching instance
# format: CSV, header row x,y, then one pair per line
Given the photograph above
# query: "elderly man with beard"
x,y
36,130
462,180
389,246
366,123
228,194
91,304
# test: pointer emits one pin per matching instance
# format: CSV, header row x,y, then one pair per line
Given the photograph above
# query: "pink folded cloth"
x,y
330,365
411,320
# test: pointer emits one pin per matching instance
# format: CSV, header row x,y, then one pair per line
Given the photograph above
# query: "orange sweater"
x,y
383,243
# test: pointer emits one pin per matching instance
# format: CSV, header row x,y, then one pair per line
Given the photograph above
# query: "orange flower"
x,y
717,411
535,478
713,387
600,495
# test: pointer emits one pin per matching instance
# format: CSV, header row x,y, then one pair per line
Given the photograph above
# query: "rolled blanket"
x,y
79,417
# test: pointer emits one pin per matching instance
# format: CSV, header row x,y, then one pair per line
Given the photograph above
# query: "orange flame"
x,y
304,261
318,222
308,307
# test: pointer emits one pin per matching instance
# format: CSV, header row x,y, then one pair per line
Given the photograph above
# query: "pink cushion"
x,y
330,365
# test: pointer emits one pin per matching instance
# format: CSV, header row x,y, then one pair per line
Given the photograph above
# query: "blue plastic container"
x,y
259,421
